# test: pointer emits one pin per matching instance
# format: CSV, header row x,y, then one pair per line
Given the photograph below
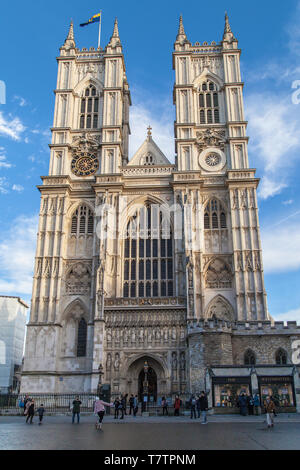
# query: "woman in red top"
x,y
177,405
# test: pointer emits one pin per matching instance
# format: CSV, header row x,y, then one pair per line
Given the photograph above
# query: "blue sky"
x,y
269,35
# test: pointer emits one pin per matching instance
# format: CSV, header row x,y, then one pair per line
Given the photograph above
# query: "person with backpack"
x,y
76,409
41,411
203,404
131,404
177,405
164,405
193,406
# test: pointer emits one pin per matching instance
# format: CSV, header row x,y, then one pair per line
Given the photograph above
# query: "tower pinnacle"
x,y
228,34
115,38
70,41
181,36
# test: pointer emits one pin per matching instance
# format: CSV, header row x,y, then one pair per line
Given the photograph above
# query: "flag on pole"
x,y
94,19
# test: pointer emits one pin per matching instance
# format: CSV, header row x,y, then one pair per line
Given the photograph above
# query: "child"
x,y
41,412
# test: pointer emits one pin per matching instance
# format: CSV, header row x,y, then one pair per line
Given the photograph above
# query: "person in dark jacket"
x,y
243,404
250,403
164,405
198,407
116,405
131,404
203,404
193,406
41,411
76,409
30,411
122,406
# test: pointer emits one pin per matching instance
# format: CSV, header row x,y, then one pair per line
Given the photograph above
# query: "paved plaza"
x,y
221,433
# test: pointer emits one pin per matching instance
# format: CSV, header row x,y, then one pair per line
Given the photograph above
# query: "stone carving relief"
x,y
210,138
220,309
78,280
218,275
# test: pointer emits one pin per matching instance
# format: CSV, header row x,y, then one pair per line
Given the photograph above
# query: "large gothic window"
x,y
89,109
281,357
214,216
82,221
209,103
148,255
81,338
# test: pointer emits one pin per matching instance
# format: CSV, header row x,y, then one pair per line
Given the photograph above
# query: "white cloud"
x,y
22,101
281,246
292,315
12,128
269,188
17,251
18,188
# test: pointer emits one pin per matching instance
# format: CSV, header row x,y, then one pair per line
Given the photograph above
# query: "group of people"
x,y
120,405
200,404
28,407
251,405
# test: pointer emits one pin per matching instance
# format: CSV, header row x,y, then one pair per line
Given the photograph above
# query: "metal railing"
x,y
52,402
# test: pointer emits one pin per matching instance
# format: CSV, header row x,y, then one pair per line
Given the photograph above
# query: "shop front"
x,y
281,389
226,391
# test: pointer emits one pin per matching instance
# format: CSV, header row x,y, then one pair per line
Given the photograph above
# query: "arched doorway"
x,y
158,380
152,385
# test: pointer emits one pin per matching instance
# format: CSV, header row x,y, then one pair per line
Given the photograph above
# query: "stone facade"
x,y
134,256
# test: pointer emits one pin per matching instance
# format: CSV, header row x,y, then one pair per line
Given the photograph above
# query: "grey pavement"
x,y
154,433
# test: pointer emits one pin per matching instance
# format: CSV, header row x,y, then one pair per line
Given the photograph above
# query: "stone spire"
x,y
181,36
228,34
115,39
70,38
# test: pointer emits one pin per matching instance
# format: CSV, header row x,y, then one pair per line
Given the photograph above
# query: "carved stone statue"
x,y
117,362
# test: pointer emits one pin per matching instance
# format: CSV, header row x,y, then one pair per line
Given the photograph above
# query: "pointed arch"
x,y
281,357
249,358
218,274
219,308
85,82
207,75
75,310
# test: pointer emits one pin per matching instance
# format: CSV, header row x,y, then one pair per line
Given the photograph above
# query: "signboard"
x,y
231,380
275,380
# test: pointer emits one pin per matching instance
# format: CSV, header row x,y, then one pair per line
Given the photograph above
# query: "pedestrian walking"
x,y
243,404
21,407
99,409
257,407
76,409
116,405
135,405
164,405
270,408
41,411
203,403
131,404
193,406
177,405
29,411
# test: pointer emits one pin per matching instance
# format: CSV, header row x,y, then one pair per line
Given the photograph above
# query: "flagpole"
x,y
100,29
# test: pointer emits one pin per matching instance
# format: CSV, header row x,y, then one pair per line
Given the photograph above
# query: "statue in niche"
x,y
108,362
117,362
174,365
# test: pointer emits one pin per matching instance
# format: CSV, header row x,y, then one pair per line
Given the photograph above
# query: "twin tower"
x,y
185,245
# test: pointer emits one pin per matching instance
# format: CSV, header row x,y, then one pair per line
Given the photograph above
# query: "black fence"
x,y
61,403
52,402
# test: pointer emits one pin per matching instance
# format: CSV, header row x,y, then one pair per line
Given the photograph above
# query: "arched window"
x,y
209,103
81,338
214,216
281,357
148,255
89,109
82,221
249,358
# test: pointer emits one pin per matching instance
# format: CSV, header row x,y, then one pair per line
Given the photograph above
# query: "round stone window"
x,y
212,159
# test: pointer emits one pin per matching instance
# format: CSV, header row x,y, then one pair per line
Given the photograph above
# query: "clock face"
x,y
213,159
84,164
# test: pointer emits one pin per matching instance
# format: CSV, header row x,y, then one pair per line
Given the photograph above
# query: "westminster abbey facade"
x,y
142,261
